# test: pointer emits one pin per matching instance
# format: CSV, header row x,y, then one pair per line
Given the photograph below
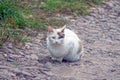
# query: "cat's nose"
x,y
56,42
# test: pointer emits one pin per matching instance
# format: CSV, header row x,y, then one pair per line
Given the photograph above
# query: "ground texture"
x,y
100,33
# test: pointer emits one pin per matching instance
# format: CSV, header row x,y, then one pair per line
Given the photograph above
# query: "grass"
x,y
75,6
10,13
14,17
50,8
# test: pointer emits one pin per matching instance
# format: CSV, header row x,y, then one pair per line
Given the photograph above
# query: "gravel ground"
x,y
100,33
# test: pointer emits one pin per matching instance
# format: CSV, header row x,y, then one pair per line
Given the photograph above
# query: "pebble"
x,y
32,56
10,46
48,65
28,45
10,59
72,78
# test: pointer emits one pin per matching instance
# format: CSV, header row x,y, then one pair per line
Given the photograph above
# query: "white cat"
x,y
64,44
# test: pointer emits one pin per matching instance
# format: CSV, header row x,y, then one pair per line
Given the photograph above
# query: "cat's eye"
x,y
53,37
61,37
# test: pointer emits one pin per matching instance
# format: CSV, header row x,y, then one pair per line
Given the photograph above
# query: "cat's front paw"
x,y
57,59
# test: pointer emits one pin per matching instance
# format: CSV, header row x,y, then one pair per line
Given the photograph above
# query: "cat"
x,y
64,44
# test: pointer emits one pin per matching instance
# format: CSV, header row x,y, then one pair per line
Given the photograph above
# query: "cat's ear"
x,y
63,28
50,29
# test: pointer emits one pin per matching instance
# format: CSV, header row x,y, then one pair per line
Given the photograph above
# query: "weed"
x,y
14,17
77,6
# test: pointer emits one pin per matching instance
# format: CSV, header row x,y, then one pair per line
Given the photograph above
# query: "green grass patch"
x,y
10,13
14,17
79,7
52,4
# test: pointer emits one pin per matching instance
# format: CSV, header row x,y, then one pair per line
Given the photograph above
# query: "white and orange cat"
x,y
64,44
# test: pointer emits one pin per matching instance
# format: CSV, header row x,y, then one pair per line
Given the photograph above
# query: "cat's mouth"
x,y
56,44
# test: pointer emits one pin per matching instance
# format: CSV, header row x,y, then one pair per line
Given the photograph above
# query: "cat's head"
x,y
56,36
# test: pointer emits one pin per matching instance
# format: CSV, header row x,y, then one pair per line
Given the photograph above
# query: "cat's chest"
x,y
58,51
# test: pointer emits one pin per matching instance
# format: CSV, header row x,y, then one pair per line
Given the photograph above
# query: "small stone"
x,y
27,45
21,53
10,46
112,16
110,4
5,55
32,56
42,3
113,70
10,59
48,65
55,78
72,78
101,10
72,20
90,41
9,51
104,79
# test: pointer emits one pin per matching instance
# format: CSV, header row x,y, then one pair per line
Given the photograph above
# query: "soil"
x,y
100,33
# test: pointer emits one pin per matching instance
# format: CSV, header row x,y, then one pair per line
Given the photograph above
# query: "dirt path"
x,y
100,32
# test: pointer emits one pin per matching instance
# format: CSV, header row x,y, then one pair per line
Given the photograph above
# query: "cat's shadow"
x,y
46,59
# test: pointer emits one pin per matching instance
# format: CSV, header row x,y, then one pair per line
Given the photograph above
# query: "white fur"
x,y
68,50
